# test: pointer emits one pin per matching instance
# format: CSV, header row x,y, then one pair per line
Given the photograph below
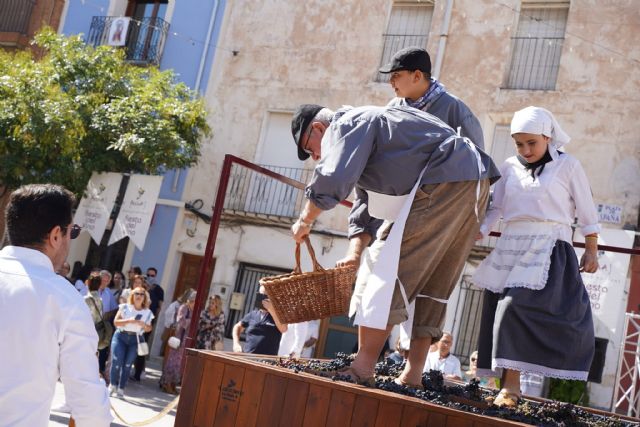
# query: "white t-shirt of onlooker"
x,y
448,366
128,311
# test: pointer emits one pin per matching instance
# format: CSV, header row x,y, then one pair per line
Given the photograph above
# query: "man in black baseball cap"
x,y
302,119
410,78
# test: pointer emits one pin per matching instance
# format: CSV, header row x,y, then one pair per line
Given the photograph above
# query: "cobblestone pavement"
x,y
142,401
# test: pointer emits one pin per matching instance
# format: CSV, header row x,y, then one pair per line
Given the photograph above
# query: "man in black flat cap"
x,y
410,70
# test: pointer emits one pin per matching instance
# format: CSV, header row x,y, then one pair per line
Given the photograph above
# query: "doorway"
x,y
190,272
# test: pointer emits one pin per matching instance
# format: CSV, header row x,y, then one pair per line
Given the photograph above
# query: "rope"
x,y
156,417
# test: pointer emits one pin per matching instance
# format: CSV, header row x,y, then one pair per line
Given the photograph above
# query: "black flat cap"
x,y
302,117
410,59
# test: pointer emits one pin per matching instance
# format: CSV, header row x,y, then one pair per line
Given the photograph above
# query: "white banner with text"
x,y
97,203
137,209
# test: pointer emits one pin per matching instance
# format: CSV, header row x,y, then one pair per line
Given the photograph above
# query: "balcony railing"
x,y
144,41
15,15
250,193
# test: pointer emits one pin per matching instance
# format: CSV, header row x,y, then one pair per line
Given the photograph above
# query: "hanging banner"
x,y
118,31
137,209
97,203
607,287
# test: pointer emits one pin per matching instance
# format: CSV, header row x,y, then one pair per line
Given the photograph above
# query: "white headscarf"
x,y
539,121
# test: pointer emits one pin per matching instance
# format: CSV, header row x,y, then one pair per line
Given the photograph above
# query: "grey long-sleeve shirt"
x,y
384,149
453,112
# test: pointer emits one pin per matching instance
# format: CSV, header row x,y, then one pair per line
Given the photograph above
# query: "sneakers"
x,y
120,393
112,389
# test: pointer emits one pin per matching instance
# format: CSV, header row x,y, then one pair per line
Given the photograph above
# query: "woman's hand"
x,y
589,262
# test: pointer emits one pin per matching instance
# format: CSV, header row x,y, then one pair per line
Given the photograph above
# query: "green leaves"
x,y
78,109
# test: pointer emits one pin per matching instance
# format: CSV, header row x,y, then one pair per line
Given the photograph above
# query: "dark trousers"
x,y
103,356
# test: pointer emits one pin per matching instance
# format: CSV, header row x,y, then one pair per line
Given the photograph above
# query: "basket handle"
x,y
316,265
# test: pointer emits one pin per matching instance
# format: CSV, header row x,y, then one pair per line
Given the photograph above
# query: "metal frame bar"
x,y
627,385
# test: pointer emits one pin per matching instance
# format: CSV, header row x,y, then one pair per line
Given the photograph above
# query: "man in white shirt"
x,y
47,331
293,339
442,360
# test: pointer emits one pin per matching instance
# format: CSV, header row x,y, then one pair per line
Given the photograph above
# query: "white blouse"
x,y
558,195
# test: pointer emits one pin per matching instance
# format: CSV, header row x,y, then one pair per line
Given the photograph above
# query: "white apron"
x,y
380,272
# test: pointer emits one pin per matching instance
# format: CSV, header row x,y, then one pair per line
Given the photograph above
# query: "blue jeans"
x,y
124,349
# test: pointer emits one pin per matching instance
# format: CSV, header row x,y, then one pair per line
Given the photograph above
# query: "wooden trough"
x,y
226,389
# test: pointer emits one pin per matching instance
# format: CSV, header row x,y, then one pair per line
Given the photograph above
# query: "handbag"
x,y
174,342
143,347
104,329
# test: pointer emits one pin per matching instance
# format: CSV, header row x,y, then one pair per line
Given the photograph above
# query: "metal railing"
x,y
626,398
15,15
144,41
255,194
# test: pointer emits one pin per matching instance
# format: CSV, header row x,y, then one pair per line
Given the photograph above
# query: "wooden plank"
x,y
453,421
389,414
230,395
207,399
252,388
189,391
414,417
340,408
365,411
294,403
437,419
272,401
317,406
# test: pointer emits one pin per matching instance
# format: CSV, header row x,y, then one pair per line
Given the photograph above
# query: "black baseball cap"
x,y
409,58
302,118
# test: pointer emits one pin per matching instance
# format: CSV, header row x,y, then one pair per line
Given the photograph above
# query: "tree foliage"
x,y
75,109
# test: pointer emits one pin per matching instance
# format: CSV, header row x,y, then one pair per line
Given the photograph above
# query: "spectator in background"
x,y
292,341
131,273
132,320
401,354
472,372
109,310
263,330
211,326
170,320
117,285
309,346
157,298
80,280
172,372
443,361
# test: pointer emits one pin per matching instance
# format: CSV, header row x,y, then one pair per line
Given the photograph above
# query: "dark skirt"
x,y
547,331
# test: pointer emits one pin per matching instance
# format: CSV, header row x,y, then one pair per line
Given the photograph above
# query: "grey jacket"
x,y
455,113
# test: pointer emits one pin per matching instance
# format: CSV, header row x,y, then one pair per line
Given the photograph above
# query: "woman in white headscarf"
x,y
536,313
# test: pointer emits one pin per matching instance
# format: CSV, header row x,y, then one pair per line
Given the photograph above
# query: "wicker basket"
x,y
298,297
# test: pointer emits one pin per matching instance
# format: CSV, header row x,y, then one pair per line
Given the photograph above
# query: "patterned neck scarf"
x,y
425,101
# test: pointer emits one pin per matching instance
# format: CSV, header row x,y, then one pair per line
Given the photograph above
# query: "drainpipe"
x,y
205,50
444,33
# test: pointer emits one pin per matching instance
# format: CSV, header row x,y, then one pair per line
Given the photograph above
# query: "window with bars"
x,y
536,46
409,25
502,146
247,283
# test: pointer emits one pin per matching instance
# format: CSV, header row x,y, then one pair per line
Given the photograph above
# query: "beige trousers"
x,y
438,236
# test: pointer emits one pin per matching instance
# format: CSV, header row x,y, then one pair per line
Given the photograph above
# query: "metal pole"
x,y
208,253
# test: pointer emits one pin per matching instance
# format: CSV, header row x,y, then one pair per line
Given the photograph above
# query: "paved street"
x,y
142,401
